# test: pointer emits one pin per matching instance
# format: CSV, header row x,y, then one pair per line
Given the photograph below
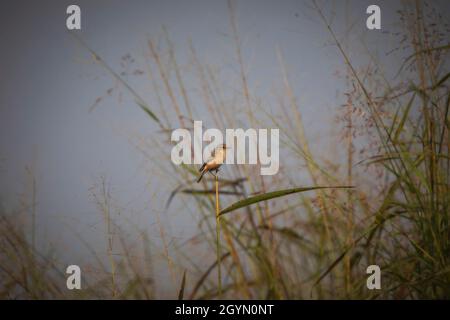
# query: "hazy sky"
x,y
48,84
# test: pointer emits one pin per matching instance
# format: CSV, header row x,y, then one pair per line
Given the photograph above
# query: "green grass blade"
x,y
341,256
147,110
403,120
106,66
183,283
271,195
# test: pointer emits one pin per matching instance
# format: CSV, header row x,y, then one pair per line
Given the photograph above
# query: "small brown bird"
x,y
214,162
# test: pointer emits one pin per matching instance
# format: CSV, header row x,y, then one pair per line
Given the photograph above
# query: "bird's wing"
x,y
211,157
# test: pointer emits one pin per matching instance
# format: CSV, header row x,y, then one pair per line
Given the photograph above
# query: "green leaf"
x,y
272,195
147,110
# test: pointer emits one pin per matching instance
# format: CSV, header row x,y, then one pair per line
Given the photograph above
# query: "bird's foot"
x,y
213,173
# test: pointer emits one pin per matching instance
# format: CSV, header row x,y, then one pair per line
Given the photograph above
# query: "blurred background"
x,y
86,177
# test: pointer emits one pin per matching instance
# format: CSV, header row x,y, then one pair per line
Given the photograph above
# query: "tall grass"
x,y
276,239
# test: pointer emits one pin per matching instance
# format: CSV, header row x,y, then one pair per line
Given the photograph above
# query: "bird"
x,y
214,162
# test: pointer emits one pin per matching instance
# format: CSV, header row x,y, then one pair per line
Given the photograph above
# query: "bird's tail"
x,y
201,176
202,167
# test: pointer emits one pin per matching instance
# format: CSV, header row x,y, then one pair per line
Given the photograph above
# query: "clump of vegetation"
x,y
274,239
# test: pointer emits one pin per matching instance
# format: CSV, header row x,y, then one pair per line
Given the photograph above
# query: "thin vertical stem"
x,y
219,274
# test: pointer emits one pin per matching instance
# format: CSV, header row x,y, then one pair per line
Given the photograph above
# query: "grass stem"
x,y
219,275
